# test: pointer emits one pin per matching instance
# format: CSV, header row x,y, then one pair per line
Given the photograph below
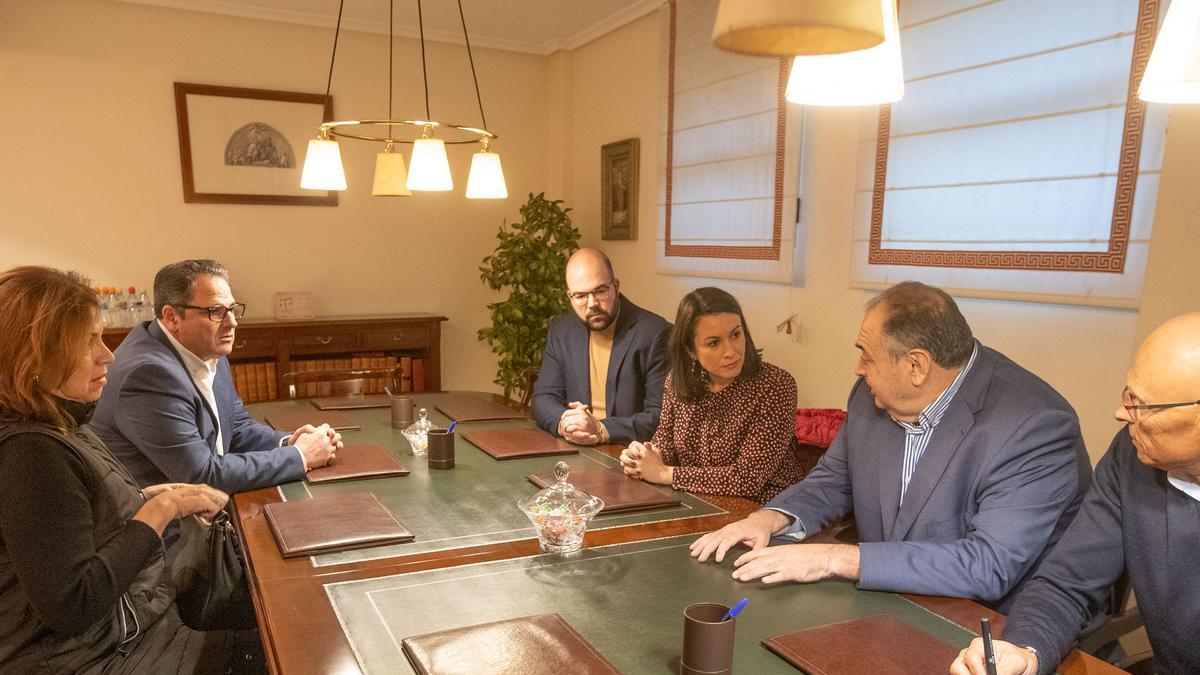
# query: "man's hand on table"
x,y
803,563
754,530
578,426
1010,659
318,445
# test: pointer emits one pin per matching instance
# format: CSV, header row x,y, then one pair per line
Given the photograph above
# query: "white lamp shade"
x,y
1173,73
323,166
865,77
390,176
429,170
487,178
790,27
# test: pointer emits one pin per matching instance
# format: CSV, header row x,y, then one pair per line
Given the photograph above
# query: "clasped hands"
x,y
578,426
318,445
643,460
171,501
801,562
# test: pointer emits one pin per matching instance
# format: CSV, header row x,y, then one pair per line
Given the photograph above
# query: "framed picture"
x,y
247,146
619,189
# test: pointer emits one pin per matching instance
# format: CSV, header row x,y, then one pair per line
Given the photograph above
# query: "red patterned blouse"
x,y
739,441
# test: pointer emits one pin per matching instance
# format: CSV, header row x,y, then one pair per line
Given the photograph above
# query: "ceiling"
x,y
531,26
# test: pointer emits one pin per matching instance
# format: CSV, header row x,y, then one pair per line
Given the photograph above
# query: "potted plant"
x,y
530,261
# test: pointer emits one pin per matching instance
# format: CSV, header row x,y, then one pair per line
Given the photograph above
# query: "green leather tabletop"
x,y
474,503
627,600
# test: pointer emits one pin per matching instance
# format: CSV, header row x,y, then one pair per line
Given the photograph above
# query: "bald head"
x,y
1165,371
593,289
1168,362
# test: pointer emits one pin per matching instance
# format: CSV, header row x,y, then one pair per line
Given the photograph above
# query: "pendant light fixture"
x,y
429,168
865,77
791,27
1173,72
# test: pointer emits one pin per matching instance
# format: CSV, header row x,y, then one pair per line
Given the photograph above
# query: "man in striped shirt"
x,y
961,468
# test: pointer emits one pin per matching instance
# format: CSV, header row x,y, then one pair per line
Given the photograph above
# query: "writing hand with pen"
x,y
1010,659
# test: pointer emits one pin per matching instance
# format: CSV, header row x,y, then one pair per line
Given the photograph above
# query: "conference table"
x,y
476,559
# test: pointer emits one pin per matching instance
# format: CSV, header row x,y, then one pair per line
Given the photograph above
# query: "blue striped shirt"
x,y
917,435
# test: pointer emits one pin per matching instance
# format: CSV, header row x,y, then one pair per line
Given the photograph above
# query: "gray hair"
x,y
924,317
174,284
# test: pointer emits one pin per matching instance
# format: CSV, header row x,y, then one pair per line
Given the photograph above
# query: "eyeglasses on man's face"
x,y
1133,408
601,292
217,313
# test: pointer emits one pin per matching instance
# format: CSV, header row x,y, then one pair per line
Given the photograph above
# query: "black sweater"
x,y
1134,518
46,530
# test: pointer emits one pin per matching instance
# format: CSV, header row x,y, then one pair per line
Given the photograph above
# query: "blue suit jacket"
x,y
153,418
1000,480
637,368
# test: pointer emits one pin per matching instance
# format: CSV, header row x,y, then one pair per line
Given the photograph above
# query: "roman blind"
x,y
729,155
1020,163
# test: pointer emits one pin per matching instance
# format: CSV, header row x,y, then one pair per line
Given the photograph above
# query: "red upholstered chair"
x,y
815,429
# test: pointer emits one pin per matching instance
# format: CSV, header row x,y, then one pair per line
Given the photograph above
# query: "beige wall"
x,y
91,174
91,163
1081,351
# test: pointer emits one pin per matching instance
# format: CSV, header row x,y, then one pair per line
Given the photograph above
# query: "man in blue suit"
x,y
962,468
602,372
170,412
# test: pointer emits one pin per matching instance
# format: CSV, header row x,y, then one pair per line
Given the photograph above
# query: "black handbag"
x,y
210,578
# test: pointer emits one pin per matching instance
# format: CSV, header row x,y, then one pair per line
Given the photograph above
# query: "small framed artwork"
x,y
619,189
247,146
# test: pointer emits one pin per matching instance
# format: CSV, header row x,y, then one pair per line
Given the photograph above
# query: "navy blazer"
x,y
997,485
637,368
152,417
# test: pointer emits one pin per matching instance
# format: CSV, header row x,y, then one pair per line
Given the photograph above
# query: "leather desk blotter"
x,y
880,644
352,402
333,523
290,421
358,461
515,443
619,492
466,408
539,644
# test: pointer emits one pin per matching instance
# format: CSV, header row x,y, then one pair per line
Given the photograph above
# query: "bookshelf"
x,y
265,349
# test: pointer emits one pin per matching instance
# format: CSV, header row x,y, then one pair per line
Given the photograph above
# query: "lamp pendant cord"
x,y
391,59
333,57
475,78
424,73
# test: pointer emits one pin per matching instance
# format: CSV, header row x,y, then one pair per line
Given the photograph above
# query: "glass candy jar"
x,y
560,513
417,433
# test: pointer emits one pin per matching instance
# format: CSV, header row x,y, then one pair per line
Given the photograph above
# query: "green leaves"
x,y
530,260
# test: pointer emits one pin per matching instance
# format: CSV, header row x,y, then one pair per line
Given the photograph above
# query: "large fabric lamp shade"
x,y
791,27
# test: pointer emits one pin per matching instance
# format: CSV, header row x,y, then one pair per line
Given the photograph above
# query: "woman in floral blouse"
x,y
728,418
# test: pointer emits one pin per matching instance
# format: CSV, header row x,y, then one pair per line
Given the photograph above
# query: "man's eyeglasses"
x,y
599,293
217,313
1132,409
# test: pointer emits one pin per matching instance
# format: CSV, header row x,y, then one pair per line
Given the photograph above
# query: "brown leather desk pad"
x,y
514,443
879,644
358,461
532,645
468,408
292,420
352,402
619,492
333,523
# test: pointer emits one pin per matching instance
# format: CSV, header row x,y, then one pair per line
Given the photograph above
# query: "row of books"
x,y
257,382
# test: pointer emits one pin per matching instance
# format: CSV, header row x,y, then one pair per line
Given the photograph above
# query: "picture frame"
x,y
247,146
619,189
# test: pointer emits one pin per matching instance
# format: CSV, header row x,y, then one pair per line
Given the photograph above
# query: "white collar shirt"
x,y
203,373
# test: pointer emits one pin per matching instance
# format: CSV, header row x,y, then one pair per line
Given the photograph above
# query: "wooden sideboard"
x,y
279,346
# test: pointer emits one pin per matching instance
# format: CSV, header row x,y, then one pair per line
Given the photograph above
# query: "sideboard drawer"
x,y
253,346
321,340
402,336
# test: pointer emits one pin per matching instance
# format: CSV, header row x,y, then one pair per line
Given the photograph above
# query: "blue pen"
x,y
736,608
451,429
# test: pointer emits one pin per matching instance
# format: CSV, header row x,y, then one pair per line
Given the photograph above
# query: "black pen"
x,y
989,652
